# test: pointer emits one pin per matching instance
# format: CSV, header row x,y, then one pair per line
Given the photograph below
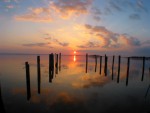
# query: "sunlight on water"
x,y
74,58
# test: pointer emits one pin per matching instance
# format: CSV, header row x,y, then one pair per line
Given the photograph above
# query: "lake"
x,y
71,89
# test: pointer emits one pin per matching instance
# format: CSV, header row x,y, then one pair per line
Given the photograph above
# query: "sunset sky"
x,y
44,26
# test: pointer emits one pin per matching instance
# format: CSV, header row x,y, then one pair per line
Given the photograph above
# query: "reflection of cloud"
x,y
64,66
21,91
91,81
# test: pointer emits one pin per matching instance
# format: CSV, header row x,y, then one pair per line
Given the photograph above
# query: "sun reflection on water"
x,y
74,58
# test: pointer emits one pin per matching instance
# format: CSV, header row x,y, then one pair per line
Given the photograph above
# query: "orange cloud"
x,y
36,15
63,9
110,39
68,8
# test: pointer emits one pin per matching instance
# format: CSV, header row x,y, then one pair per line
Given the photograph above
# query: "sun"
x,y
74,52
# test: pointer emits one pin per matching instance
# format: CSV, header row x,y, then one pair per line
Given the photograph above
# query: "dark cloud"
x,y
115,6
89,45
63,44
54,40
37,44
97,18
135,16
96,13
141,6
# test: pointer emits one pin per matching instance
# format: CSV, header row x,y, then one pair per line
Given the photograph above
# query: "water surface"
x,y
72,90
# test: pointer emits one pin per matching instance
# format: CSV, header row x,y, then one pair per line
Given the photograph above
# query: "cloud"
x,y
89,45
10,6
141,6
54,40
63,9
37,44
96,13
115,5
68,8
7,0
36,15
109,39
135,16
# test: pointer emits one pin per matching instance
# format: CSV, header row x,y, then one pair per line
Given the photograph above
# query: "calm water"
x,y
72,90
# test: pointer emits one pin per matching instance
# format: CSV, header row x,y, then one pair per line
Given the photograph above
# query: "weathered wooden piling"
x,y
143,69
59,61
128,67
56,64
86,63
38,74
28,80
113,67
105,67
100,64
119,60
105,63
51,67
95,62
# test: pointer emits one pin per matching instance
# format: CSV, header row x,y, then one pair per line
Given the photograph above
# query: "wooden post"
x,y
143,69
86,63
100,64
119,60
59,61
51,67
28,80
113,67
56,65
105,65
128,67
39,74
95,63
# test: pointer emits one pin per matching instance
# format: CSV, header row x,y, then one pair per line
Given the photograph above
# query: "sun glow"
x,y
74,52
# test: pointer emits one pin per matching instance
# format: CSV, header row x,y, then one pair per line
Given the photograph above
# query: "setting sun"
x,y
75,52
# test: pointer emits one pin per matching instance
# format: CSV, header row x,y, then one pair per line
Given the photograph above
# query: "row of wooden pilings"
x,y
119,62
54,63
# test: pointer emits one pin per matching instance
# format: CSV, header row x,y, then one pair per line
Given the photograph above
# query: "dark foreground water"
x,y
71,90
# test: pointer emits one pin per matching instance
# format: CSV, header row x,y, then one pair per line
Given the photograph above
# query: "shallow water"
x,y
73,90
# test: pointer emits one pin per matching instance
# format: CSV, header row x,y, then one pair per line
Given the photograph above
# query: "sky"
x,y
93,26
